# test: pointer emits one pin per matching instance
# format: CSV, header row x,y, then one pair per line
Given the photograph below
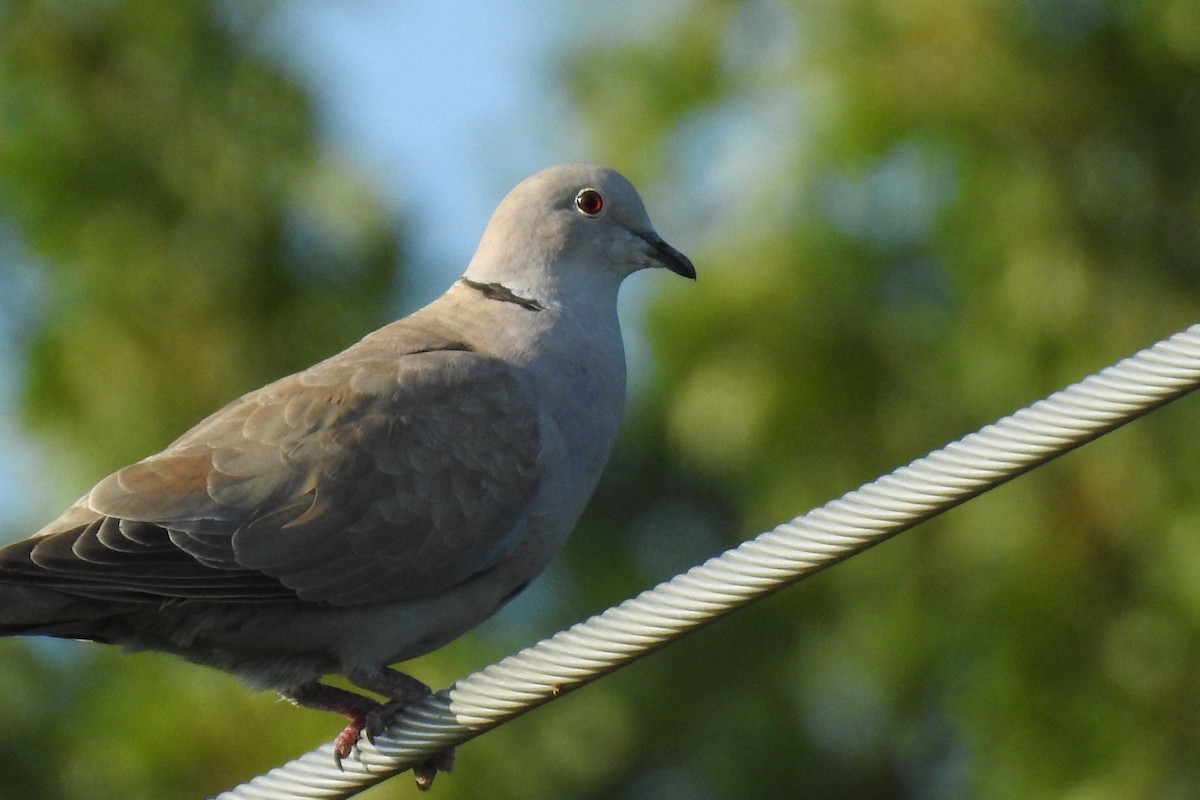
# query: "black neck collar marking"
x,y
498,291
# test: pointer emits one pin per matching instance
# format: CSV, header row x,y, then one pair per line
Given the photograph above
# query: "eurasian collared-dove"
x,y
384,501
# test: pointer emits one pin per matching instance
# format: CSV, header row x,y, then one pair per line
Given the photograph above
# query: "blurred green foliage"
x,y
916,217
909,218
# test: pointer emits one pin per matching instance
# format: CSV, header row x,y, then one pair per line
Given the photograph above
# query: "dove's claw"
x,y
347,740
425,773
378,719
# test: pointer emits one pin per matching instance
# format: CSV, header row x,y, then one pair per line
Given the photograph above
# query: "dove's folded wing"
x,y
361,480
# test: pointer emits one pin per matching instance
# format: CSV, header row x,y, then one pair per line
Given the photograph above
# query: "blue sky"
x,y
444,109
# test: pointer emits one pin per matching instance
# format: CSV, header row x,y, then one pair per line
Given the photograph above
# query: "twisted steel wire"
x,y
756,568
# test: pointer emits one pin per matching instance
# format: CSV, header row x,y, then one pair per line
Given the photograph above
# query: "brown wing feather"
x,y
360,480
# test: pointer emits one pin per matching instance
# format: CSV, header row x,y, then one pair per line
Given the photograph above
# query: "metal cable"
x,y
751,571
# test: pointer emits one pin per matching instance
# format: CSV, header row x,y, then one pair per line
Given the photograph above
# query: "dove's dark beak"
x,y
669,257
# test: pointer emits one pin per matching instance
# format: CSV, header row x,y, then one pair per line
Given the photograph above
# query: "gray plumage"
x,y
380,503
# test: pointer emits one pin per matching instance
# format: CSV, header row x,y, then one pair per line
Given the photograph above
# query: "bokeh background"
x,y
909,218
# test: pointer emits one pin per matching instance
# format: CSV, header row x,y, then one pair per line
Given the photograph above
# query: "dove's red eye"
x,y
589,202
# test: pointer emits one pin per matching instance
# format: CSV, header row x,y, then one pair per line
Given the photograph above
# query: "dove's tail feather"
x,y
34,611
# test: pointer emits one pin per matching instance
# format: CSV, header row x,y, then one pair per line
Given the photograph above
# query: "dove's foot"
x,y
347,740
404,691
377,721
348,704
369,717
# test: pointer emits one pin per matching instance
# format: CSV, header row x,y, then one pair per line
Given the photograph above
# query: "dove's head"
x,y
573,227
